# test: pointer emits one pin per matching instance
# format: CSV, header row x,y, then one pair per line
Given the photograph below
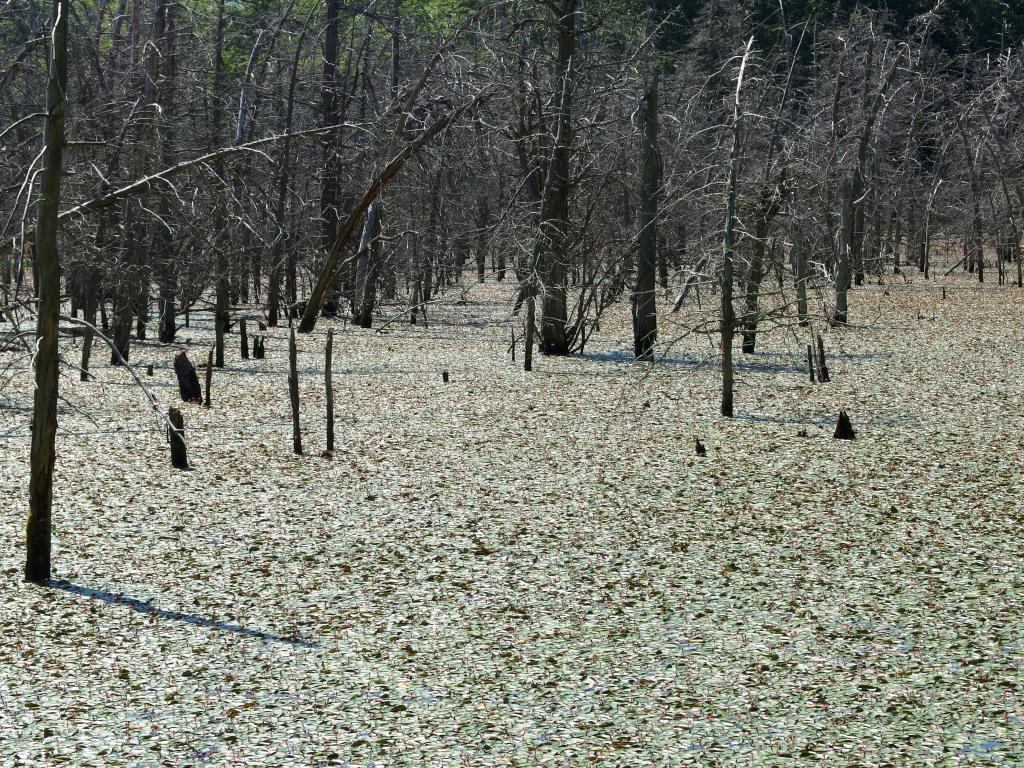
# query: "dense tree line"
x,y
300,158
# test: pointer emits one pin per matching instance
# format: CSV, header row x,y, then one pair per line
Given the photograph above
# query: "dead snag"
x,y
823,375
844,429
531,309
293,391
329,387
243,336
188,381
810,362
176,436
209,376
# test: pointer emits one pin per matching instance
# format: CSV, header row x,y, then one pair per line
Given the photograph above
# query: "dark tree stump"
x,y
243,338
176,436
188,381
823,375
149,369
844,429
444,376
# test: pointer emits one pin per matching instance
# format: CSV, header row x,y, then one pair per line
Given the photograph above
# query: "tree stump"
x,y
243,336
176,436
188,381
444,376
823,375
844,429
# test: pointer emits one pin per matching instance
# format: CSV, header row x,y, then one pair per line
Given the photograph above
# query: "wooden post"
x,y
329,358
244,338
293,391
209,376
810,362
179,459
188,381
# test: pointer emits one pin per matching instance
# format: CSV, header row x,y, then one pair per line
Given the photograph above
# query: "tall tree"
x,y
645,317
44,413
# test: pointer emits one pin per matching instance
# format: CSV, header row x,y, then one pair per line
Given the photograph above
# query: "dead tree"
x,y
243,339
209,376
329,388
176,437
293,391
727,317
188,381
645,317
44,412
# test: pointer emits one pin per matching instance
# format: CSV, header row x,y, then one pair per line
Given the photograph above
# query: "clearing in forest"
x,y
523,569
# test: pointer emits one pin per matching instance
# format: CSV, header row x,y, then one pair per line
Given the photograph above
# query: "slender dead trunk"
x,y
645,313
365,268
800,266
329,388
727,316
293,391
531,313
222,277
841,316
44,412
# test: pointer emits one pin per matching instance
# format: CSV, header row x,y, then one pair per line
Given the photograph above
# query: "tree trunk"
x,y
553,240
645,317
531,311
188,380
293,391
47,260
727,315
176,437
800,257
329,388
841,316
365,268
222,276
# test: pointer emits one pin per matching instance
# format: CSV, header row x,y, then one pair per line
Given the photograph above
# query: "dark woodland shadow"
x,y
141,606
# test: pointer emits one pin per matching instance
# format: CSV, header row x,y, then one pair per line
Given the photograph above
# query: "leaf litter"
x,y
518,569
